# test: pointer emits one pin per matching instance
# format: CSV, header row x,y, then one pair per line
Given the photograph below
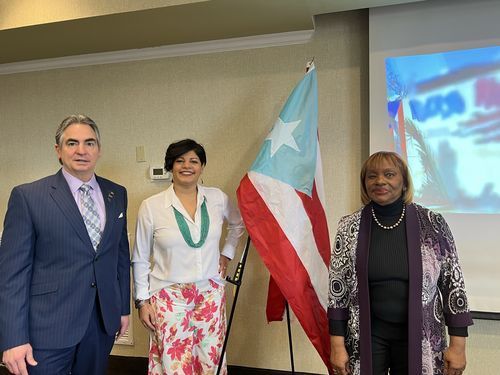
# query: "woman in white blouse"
x,y
178,268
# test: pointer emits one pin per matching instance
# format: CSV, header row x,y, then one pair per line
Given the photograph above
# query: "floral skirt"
x,y
190,329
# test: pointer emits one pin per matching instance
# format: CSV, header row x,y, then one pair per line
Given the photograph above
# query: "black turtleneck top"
x,y
388,265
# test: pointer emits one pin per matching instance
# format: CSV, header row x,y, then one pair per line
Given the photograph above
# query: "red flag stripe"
x,y
296,225
316,214
285,266
275,306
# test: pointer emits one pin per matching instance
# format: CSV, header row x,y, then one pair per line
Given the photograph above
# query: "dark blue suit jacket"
x,y
50,274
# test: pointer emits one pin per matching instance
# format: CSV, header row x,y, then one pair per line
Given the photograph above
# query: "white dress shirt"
x,y
161,255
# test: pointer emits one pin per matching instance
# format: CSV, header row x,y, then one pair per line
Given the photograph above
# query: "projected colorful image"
x,y
444,112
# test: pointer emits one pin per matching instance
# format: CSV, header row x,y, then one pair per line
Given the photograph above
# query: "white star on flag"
x,y
281,134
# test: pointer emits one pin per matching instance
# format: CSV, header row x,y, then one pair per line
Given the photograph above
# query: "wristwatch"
x,y
140,302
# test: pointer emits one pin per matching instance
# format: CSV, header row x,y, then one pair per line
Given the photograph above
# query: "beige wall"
x,y
227,101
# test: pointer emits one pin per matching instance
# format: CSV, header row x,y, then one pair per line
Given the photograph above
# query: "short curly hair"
x,y
176,149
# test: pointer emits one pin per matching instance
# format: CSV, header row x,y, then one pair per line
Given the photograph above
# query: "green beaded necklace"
x,y
183,226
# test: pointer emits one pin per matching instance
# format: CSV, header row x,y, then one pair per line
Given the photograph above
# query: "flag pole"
x,y
289,336
309,65
235,280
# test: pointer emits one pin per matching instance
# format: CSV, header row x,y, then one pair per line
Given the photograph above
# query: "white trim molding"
x,y
186,49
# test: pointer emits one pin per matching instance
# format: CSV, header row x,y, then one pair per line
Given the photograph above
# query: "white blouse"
x,y
161,255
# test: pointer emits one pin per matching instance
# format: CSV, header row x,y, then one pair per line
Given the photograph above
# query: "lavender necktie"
x,y
90,215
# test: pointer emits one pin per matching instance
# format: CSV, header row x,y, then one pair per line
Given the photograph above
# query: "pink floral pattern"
x,y
191,326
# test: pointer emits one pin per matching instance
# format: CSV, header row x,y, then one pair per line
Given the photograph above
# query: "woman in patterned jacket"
x,y
395,282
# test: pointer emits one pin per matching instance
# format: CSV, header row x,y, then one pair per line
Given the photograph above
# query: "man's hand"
x,y
123,326
15,359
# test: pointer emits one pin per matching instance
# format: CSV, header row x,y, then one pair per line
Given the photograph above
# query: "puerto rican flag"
x,y
281,200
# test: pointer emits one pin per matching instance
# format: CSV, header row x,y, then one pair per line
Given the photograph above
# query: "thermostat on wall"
x,y
158,173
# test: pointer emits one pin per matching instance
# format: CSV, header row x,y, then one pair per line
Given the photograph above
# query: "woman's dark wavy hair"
x,y
179,148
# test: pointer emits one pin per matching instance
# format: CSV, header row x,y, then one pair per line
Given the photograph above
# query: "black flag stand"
x,y
236,280
289,336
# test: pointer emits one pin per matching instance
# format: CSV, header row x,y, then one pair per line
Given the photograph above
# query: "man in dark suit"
x,y
64,264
